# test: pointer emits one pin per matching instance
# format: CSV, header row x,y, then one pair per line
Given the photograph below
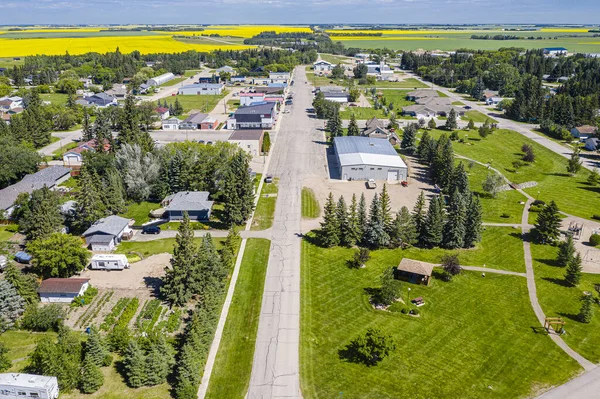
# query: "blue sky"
x,y
297,11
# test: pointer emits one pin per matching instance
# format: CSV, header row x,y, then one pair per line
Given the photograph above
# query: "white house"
x,y
255,116
261,81
75,156
20,385
105,234
201,89
160,79
109,262
163,113
10,103
248,140
323,66
493,100
279,77
226,69
251,98
62,290
171,124
555,51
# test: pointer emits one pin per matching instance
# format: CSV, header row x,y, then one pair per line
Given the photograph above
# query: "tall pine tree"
x,y
375,233
454,231
547,224
330,227
353,129
134,364
473,220
434,223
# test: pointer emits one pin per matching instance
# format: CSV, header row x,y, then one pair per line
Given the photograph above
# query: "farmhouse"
x,y
195,203
364,158
109,262
19,385
49,177
62,290
105,234
255,116
171,124
554,51
248,140
583,132
75,156
160,79
322,66
201,89
414,271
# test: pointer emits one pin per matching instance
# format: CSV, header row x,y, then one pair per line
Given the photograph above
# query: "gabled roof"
x,y
161,110
196,118
188,201
256,108
586,129
111,225
62,285
322,62
416,267
45,177
423,93
246,135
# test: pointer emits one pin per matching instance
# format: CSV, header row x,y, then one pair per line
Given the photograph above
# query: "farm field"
x,y
473,338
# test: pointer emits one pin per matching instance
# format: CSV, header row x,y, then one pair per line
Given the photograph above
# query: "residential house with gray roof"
x,y
105,234
195,203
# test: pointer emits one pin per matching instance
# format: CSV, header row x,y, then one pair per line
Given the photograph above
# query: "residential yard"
x,y
20,344
202,103
409,83
7,231
362,113
336,59
231,374
310,204
55,98
322,80
58,153
558,299
503,147
473,339
164,245
265,209
477,117
140,212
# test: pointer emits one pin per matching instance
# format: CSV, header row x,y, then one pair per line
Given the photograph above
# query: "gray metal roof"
x,y
256,108
246,135
188,201
111,225
203,86
196,118
45,177
358,150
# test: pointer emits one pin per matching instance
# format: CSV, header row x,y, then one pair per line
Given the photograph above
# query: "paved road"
x,y
65,138
276,368
586,386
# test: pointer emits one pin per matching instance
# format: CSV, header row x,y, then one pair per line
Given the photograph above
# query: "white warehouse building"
x,y
364,158
19,385
201,89
160,79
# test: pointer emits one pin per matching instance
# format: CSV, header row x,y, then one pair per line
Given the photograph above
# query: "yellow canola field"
x,y
126,44
395,38
54,30
244,31
402,32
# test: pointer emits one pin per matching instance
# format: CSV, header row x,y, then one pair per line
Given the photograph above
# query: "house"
x,y
171,124
431,110
493,100
160,79
163,113
226,69
489,94
268,90
279,77
101,100
377,129
20,385
195,203
117,91
209,123
75,155
417,95
555,51
583,132
255,116
11,103
201,89
379,70
248,140
50,177
143,89
193,122
323,67
364,158
337,97
109,262
279,85
105,234
362,57
414,271
62,290
251,98
261,81
592,144
238,79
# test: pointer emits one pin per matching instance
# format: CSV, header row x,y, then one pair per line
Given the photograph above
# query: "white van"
x,y
109,262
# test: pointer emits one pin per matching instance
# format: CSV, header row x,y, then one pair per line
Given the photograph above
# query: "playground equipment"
x,y
575,230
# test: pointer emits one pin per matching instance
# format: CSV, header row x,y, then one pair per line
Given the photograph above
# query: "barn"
x,y
364,158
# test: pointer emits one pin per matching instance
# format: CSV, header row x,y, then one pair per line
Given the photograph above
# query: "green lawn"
x,y
265,209
58,153
560,300
233,365
310,204
410,83
20,344
335,59
317,81
477,116
6,233
148,248
572,193
473,339
191,72
458,103
140,212
362,113
202,103
173,82
55,98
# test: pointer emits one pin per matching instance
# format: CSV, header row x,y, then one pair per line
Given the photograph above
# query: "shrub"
x,y
595,239
370,348
86,298
596,217
454,136
505,215
536,208
415,311
43,318
538,202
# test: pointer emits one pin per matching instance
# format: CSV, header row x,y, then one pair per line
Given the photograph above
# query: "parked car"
x,y
287,111
269,179
371,184
151,230
467,107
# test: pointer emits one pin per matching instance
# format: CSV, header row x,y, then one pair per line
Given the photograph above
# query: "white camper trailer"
x,y
109,262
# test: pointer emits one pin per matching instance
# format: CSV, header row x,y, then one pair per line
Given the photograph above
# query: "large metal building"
x,y
364,158
160,79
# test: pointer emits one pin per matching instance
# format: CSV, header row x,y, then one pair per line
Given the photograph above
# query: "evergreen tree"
x,y
41,217
443,162
95,350
90,207
434,223
586,312
362,217
471,124
574,164
26,285
5,362
547,224
157,366
566,251
419,214
129,123
175,287
478,89
386,210
454,231
178,108
334,124
86,126
390,287
266,145
375,233
134,364
353,129
573,271
404,233
238,191
594,177
343,219
330,227
409,137
460,180
431,124
353,223
115,196
473,222
451,123
91,377
424,145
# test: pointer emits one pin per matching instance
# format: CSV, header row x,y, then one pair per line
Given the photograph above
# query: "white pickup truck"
x,y
371,184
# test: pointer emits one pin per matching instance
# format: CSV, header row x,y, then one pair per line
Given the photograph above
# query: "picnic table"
x,y
418,301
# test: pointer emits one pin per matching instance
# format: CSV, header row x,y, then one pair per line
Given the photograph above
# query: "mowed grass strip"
x,y
473,339
310,204
477,116
201,103
161,246
231,374
558,299
265,209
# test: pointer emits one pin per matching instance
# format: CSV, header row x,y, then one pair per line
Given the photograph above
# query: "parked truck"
x,y
109,262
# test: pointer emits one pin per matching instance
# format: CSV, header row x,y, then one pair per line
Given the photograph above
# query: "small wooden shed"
x,y
414,271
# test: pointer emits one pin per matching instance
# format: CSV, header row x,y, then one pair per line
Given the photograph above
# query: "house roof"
x,y
103,96
196,118
555,49
87,146
225,68
586,129
45,177
423,93
246,135
330,94
358,150
188,201
322,62
416,267
162,110
252,94
62,285
256,108
111,225
203,86
330,89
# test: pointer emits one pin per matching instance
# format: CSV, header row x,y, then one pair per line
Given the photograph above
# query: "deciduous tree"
x,y
60,255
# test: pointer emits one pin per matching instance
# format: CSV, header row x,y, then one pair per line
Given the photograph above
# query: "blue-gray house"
x,y
195,203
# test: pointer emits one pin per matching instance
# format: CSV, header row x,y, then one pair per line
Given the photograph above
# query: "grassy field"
x,y
202,103
477,116
148,248
310,204
473,339
20,344
5,234
336,59
233,365
322,80
140,212
9,62
265,209
55,98
560,300
362,113
173,82
572,193
410,83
